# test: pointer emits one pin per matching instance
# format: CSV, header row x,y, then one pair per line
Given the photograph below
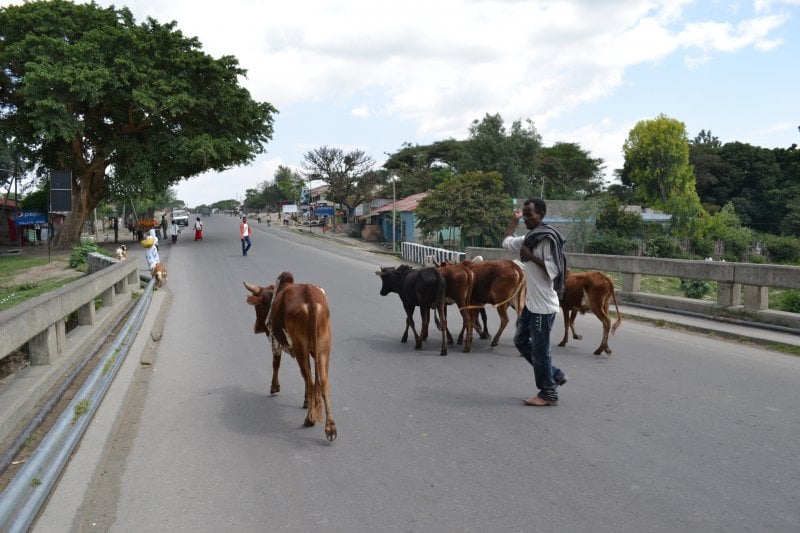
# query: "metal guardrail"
x,y
25,495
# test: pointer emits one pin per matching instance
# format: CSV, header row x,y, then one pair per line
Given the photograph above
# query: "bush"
x,y
782,248
80,253
695,288
789,302
663,246
611,246
703,247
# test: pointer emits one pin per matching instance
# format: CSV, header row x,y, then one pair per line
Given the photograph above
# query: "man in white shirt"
x,y
541,252
244,235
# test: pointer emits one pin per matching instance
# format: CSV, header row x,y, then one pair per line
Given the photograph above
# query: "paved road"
x,y
675,432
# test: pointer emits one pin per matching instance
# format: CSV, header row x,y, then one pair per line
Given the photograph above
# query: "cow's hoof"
x,y
274,390
578,337
330,432
308,422
305,404
562,343
443,352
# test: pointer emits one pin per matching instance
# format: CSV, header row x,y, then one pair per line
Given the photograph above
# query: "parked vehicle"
x,y
181,217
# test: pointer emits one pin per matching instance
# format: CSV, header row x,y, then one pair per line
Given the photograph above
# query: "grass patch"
x,y
32,438
81,408
11,296
10,265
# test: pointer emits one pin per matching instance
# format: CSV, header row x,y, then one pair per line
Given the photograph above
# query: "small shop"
x,y
28,228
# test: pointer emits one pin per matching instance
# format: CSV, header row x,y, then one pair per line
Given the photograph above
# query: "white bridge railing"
x,y
425,255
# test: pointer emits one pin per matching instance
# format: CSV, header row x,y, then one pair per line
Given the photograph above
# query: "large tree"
x,y
129,108
565,171
511,152
350,176
420,168
657,153
657,162
476,202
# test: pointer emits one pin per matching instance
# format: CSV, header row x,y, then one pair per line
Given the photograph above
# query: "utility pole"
x,y
394,214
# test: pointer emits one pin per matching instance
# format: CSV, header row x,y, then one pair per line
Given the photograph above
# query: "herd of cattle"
x,y
296,317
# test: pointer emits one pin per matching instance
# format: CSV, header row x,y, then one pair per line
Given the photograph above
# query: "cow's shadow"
x,y
259,413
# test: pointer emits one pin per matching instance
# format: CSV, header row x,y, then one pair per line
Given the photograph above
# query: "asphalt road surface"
x,y
674,432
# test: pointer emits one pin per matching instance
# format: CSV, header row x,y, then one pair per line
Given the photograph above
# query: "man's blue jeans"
x,y
532,339
246,240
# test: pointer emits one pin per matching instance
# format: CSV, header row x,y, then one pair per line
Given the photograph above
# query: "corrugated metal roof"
x,y
409,203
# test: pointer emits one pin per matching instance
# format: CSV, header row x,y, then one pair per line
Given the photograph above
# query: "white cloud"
x,y
424,70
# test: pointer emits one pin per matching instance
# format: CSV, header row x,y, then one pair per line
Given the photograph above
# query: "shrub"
x,y
789,302
80,253
663,246
695,288
611,246
782,248
703,247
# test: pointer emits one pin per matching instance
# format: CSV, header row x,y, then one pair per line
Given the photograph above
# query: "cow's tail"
x,y
317,392
618,322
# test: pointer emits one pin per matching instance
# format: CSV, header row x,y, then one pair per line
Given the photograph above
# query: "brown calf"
x,y
589,291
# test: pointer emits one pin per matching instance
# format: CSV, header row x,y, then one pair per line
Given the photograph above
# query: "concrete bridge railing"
x,y
40,323
742,288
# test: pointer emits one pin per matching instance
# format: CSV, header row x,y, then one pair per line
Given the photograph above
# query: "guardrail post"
x,y
86,314
42,348
756,298
631,282
729,294
61,335
109,296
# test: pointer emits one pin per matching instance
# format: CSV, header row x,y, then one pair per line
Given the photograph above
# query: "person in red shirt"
x,y
244,235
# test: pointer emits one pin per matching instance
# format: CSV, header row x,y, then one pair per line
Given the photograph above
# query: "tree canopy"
x,y
512,153
657,163
350,176
129,108
567,172
476,202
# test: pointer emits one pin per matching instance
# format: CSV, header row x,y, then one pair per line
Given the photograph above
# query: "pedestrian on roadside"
x,y
541,251
198,230
174,231
164,226
244,235
151,253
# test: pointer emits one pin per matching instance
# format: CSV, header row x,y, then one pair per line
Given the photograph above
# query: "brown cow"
x,y
296,318
585,291
459,280
498,282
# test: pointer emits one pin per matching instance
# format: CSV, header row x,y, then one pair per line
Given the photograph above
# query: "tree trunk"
x,y
69,234
87,189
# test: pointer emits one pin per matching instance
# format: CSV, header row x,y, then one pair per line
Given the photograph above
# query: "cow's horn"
x,y
255,289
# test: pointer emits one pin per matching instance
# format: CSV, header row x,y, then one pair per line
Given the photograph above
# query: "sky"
x,y
374,74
